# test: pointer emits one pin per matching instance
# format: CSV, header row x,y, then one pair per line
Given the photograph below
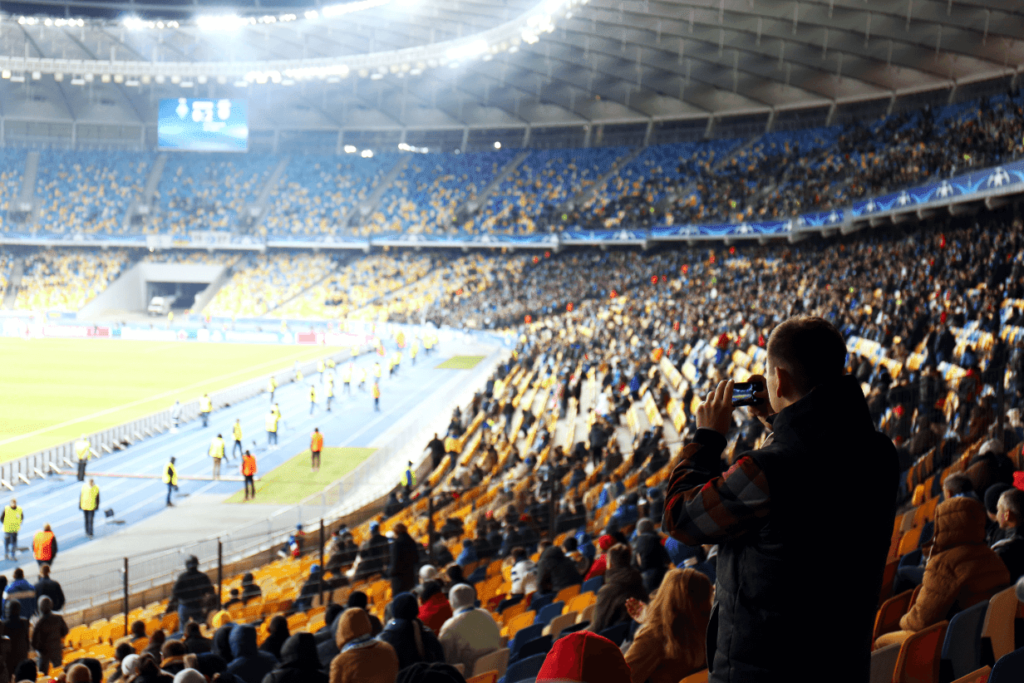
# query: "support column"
x,y
465,139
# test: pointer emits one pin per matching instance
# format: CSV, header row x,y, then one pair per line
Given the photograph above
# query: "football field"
x,y
53,390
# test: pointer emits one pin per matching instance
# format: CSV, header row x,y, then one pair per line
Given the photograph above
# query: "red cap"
x,y
584,657
605,542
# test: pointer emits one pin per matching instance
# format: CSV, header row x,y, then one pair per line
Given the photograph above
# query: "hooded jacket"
x,y
191,586
401,633
298,662
584,657
249,663
435,611
48,636
962,571
471,633
826,487
362,659
619,585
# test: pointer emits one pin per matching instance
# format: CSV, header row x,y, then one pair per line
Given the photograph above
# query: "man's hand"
x,y
716,410
763,410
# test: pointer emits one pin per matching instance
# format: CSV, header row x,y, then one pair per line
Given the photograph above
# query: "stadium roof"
x,y
433,64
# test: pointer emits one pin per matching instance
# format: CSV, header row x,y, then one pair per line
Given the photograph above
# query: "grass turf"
x,y
460,363
56,389
291,482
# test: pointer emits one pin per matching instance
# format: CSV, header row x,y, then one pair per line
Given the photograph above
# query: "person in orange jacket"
x,y
316,444
249,471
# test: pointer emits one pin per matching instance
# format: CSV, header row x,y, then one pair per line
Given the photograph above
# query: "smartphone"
x,y
743,393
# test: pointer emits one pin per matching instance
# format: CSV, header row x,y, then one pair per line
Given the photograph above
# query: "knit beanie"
x,y
584,657
404,606
128,665
433,672
189,676
461,595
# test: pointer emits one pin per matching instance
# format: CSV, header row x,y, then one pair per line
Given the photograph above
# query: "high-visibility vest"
x,y
362,375
317,442
330,363
376,391
415,349
248,465
320,365
277,411
237,430
451,444
217,447
90,497
346,374
171,475
12,519
409,478
376,370
82,449
312,394
330,387
42,546
272,384
207,404
271,422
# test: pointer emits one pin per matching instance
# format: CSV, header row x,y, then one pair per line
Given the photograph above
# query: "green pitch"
x,y
294,480
460,363
56,389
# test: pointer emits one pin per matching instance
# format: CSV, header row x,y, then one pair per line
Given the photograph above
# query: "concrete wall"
x,y
128,292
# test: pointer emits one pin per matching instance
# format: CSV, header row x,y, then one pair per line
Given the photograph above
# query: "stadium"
x,y
401,340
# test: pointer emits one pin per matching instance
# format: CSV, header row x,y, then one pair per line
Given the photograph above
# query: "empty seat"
x,y
540,601
487,677
890,613
920,655
883,663
592,585
522,637
699,677
617,633
496,661
1009,669
567,594
524,669
533,647
560,622
961,651
979,676
518,623
997,632
549,612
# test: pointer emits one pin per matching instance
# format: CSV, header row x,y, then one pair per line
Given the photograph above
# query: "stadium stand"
x,y
263,282
12,168
66,280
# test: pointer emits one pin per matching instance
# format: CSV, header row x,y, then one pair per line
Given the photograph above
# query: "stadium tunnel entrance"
x,y
179,286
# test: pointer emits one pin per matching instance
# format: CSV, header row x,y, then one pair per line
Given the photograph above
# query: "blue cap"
x,y
314,569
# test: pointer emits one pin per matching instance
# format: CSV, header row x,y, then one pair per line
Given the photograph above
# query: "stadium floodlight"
x,y
77,81
134,23
366,154
350,7
225,22
470,50
104,78
58,77
497,145
312,14
350,149
36,75
201,80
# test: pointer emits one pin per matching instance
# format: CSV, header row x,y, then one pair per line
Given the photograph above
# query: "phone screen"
x,y
743,393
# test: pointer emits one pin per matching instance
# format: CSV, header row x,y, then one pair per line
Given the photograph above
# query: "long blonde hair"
x,y
680,611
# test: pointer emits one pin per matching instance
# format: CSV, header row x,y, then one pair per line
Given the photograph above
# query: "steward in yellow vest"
x,y
88,503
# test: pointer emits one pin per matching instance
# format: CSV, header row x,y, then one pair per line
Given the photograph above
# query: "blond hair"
x,y
680,611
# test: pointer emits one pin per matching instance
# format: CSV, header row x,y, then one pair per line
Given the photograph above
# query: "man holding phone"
x,y
813,506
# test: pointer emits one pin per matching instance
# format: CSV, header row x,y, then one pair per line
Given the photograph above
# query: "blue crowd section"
x,y
352,422
772,177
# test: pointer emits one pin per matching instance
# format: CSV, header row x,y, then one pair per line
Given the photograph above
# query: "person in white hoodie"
x,y
471,632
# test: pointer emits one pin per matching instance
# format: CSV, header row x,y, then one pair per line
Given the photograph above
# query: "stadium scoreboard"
x,y
198,125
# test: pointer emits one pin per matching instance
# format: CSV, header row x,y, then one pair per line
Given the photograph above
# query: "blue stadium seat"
x,y
1009,668
617,633
961,651
592,585
523,636
549,612
523,669
536,646
574,628
542,600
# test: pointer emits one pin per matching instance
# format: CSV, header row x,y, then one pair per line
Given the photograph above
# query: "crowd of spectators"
x,y
260,283
66,280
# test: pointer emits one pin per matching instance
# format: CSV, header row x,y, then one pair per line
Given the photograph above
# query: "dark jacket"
x,y
298,662
402,562
191,587
555,571
1011,551
48,636
198,645
250,664
654,560
619,585
51,589
829,475
372,555
401,631
276,636
17,631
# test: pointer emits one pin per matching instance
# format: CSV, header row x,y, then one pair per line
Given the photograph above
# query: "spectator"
x,y
249,664
94,667
327,649
582,658
189,676
962,571
250,590
651,558
372,554
422,672
28,671
814,440
194,641
137,632
156,644
434,607
24,592
50,588
989,466
311,588
121,655
277,633
330,614
600,565
471,633
555,571
621,582
403,558
411,639
233,599
148,671
362,659
190,591
1011,548
468,555
16,630
671,640
172,656
298,662
48,636
993,532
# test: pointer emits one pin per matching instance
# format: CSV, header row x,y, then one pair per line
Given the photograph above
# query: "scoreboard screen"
x,y
203,125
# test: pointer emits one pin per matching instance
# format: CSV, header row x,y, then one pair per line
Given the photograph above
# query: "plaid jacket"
x,y
705,505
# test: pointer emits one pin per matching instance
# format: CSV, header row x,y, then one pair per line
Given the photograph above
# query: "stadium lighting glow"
x,y
350,149
350,7
468,51
404,147
497,145
366,154
226,22
312,14
137,24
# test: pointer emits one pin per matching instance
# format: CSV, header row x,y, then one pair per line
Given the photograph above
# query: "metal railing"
x,y
103,582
